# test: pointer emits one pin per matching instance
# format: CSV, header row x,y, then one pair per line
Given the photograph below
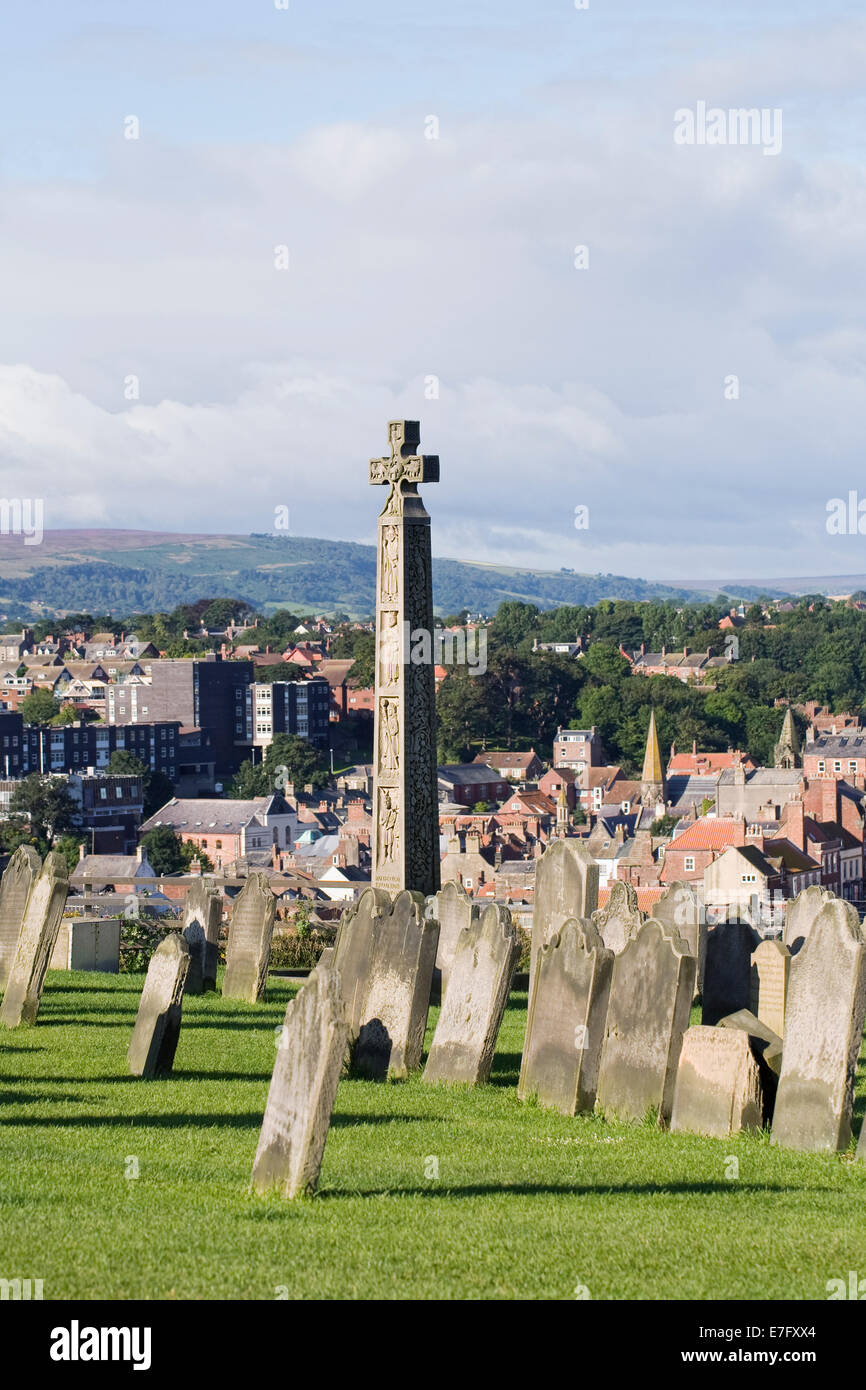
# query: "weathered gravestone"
x,y
567,1017
18,878
35,943
650,998
823,1032
396,994
200,927
566,885
679,909
771,965
303,1087
353,949
453,910
766,1049
619,921
718,1087
800,914
727,973
471,1014
157,1026
249,944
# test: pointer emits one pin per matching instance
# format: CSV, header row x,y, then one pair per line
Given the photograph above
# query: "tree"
x,y
302,762
363,668
164,850
39,707
47,804
70,846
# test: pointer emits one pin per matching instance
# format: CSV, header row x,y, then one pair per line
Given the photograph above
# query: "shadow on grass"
x,y
532,1189
183,1120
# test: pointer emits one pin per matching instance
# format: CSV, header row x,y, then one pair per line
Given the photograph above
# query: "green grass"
x,y
528,1204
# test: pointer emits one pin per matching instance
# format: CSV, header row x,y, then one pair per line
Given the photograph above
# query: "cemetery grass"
x,y
527,1203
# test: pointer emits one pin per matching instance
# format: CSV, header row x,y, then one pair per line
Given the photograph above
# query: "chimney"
x,y
195,867
829,799
81,852
686,651
795,822
694,746
139,853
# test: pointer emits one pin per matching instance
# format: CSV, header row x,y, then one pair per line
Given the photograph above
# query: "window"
x,y
689,864
822,767
749,878
837,765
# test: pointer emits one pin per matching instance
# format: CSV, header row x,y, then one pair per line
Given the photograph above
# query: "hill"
x,y
106,571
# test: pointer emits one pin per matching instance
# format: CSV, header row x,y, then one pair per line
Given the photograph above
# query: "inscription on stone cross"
x,y
405,825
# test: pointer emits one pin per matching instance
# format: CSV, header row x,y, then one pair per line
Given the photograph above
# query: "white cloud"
x,y
412,257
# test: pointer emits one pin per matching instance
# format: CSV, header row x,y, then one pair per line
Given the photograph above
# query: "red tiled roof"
x,y
709,834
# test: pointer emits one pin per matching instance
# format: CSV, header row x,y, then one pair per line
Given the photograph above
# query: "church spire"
x,y
652,780
787,751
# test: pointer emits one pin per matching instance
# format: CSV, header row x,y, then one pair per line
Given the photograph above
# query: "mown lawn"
x,y
527,1204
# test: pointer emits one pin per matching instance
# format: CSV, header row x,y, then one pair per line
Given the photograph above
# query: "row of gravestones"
x,y
609,1003
610,997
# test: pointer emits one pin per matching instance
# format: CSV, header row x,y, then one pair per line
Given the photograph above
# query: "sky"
x,y
334,214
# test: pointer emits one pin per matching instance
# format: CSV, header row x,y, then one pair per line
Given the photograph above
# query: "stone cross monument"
x,y
405,821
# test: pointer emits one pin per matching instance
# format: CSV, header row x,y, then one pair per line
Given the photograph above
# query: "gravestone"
x,y
471,1014
766,1049
303,1087
800,914
454,911
405,847
771,965
36,941
396,993
200,927
157,1026
680,910
353,949
619,921
566,885
727,973
18,878
718,1087
566,1021
650,999
249,944
823,1032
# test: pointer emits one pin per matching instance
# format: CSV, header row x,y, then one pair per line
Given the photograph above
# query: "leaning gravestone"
x,y
771,966
718,1087
353,948
766,1049
727,973
452,908
567,1017
478,983
200,927
396,993
18,878
800,914
678,909
157,1026
650,999
823,1032
303,1087
566,885
249,945
619,921
35,943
